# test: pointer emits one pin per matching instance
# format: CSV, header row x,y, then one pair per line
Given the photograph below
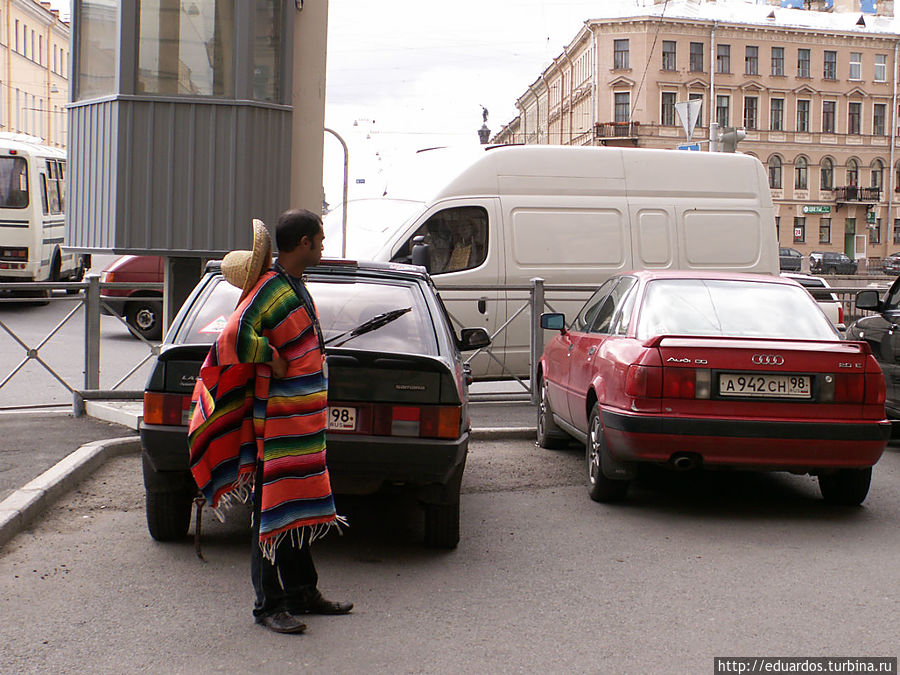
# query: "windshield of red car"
x,y
730,308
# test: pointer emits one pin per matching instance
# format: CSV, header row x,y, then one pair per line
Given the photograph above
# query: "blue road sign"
x,y
692,146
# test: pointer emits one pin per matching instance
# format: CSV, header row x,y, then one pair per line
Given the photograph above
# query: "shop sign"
x,y
817,208
870,217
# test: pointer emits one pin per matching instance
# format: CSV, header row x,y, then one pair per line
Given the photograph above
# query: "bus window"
x,y
44,204
13,183
61,177
53,187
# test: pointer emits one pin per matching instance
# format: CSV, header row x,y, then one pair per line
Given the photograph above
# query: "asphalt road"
x,y
544,580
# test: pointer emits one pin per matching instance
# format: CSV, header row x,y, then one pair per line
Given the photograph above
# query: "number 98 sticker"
x,y
342,419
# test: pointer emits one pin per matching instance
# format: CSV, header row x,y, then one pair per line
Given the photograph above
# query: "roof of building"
x,y
743,12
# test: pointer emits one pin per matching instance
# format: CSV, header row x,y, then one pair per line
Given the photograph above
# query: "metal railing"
x,y
523,300
87,300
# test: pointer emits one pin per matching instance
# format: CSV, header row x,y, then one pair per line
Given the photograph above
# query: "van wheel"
x,y
601,488
145,318
548,434
846,487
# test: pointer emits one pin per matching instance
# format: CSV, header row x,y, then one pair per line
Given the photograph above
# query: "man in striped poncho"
x,y
260,420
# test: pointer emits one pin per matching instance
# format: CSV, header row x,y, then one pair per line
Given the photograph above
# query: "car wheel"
x,y
145,318
548,434
168,515
442,525
169,496
846,487
601,488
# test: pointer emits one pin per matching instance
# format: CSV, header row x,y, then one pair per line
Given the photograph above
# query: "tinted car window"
x,y
730,308
603,321
587,314
457,238
342,305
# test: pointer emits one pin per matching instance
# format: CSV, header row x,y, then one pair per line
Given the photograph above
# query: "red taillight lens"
x,y
849,388
875,393
170,409
643,382
432,421
679,383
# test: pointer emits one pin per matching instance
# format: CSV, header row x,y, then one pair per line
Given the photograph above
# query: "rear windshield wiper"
x,y
374,323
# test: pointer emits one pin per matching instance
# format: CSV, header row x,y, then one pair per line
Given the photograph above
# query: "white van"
x,y
32,219
573,215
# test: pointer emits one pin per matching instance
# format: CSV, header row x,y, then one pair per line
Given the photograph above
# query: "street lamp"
x,y
346,188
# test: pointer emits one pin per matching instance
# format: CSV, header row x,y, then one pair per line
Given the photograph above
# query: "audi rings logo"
x,y
768,359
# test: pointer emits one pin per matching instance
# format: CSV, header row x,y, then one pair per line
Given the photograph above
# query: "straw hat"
x,y
243,268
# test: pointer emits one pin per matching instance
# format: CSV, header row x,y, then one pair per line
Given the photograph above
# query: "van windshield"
x,y
13,183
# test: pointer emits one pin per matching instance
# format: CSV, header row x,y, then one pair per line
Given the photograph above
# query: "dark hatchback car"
x,y
789,259
397,393
141,308
832,262
880,331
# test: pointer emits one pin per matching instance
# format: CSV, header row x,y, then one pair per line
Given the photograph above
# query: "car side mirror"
x,y
421,252
553,321
472,338
868,299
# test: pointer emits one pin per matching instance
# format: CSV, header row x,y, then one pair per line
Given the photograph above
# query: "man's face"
x,y
313,248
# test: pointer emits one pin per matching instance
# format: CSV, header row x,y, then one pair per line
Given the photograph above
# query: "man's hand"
x,y
279,366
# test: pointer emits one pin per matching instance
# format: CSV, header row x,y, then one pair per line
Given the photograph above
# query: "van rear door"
x,y
466,244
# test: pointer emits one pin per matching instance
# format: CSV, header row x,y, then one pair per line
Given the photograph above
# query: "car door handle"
x,y
482,305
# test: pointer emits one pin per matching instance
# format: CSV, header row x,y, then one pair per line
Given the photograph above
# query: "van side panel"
x,y
545,238
653,238
720,239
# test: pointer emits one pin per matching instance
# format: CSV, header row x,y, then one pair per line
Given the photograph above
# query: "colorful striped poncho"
x,y
243,415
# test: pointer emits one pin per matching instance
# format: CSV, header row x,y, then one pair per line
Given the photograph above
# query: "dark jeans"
x,y
291,581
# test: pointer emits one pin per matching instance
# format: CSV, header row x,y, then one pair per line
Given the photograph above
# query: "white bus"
x,y
32,213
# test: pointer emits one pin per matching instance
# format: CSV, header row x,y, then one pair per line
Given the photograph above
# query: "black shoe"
x,y
283,622
319,605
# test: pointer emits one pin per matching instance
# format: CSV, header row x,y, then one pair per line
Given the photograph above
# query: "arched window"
x,y
853,172
826,174
775,172
801,173
877,174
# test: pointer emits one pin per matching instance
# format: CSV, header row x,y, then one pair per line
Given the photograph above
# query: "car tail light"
x,y
875,393
14,253
686,383
643,381
848,388
417,421
170,409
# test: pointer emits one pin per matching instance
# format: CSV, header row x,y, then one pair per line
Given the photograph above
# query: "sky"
x,y
409,74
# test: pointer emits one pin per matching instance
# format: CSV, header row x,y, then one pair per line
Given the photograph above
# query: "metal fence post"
x,y
92,332
537,333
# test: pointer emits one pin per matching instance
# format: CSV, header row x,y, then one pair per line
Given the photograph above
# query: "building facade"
x,y
816,92
34,70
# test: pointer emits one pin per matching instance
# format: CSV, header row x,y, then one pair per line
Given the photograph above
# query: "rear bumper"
x,y
362,464
750,443
357,464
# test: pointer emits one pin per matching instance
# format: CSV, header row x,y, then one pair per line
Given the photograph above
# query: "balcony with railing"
x,y
613,133
853,194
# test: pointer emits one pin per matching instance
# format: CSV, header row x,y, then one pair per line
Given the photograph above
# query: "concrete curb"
x,y
499,433
19,509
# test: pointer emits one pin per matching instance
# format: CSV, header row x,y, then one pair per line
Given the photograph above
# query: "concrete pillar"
x,y
308,99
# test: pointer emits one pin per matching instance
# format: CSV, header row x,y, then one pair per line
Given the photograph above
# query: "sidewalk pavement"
x,y
46,452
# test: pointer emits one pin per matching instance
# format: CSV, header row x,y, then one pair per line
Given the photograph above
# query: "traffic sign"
x,y
691,146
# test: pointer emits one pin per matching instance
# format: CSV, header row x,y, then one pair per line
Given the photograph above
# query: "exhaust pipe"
x,y
685,461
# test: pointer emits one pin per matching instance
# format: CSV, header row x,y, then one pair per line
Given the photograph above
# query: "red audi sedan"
x,y
702,369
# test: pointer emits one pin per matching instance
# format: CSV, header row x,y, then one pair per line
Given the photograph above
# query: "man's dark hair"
x,y
293,225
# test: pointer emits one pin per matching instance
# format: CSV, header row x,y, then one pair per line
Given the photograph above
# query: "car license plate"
x,y
765,385
341,419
